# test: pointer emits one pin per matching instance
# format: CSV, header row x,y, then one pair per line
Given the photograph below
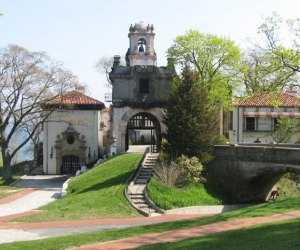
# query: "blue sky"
x,y
79,32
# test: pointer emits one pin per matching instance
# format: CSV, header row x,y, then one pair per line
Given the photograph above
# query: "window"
x,y
250,123
260,124
144,86
265,124
70,139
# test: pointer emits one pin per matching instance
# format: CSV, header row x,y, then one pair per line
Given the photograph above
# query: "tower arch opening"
x,y
143,129
142,45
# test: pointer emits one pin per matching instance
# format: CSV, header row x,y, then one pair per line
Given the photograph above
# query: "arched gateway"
x,y
140,91
143,129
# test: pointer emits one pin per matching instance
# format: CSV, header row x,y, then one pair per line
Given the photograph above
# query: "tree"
x,y
214,58
285,130
27,80
288,54
261,72
104,65
190,118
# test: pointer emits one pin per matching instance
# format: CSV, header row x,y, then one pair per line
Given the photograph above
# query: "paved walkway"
x,y
42,190
39,191
12,231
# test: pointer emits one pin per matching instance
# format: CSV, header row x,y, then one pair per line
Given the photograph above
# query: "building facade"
x,y
75,134
255,118
140,90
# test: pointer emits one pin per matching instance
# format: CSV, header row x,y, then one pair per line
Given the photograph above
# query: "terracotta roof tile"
x,y
74,98
269,100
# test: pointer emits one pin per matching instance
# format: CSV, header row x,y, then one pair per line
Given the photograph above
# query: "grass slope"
x,y
88,238
98,193
169,198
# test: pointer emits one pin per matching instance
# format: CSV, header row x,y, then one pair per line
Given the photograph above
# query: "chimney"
x,y
117,60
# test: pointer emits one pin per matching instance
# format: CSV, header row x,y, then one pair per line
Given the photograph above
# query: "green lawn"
x,y
169,198
279,235
88,238
98,193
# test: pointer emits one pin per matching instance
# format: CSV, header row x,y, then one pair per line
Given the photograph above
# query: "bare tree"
x,y
27,80
104,65
286,55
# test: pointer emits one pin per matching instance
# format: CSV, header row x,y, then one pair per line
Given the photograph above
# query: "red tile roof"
x,y
74,98
269,100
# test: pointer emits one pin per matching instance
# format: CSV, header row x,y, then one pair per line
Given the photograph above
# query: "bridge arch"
x,y
249,172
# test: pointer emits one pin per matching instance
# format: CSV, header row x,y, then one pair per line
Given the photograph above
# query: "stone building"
x,y
75,134
140,90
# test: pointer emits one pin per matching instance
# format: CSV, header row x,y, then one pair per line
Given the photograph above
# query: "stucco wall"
x,y
85,122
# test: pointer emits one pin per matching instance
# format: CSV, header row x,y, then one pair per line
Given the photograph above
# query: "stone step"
x,y
144,177
138,201
145,174
141,181
137,195
151,160
153,156
148,210
144,206
147,168
148,165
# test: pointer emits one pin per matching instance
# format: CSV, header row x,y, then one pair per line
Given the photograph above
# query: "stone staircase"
x,y
136,191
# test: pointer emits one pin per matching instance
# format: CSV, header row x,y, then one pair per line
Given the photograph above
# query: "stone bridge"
x,y
248,172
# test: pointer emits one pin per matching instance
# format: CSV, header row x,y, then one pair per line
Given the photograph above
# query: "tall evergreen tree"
x,y
190,118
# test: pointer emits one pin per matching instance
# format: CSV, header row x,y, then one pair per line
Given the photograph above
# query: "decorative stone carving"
x,y
64,147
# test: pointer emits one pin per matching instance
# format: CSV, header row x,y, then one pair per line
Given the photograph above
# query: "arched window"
x,y
142,45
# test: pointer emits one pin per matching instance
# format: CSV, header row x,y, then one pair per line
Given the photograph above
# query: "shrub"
x,y
168,172
180,172
191,168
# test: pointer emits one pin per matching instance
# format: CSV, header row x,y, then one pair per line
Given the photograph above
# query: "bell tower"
x,y
140,92
141,45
